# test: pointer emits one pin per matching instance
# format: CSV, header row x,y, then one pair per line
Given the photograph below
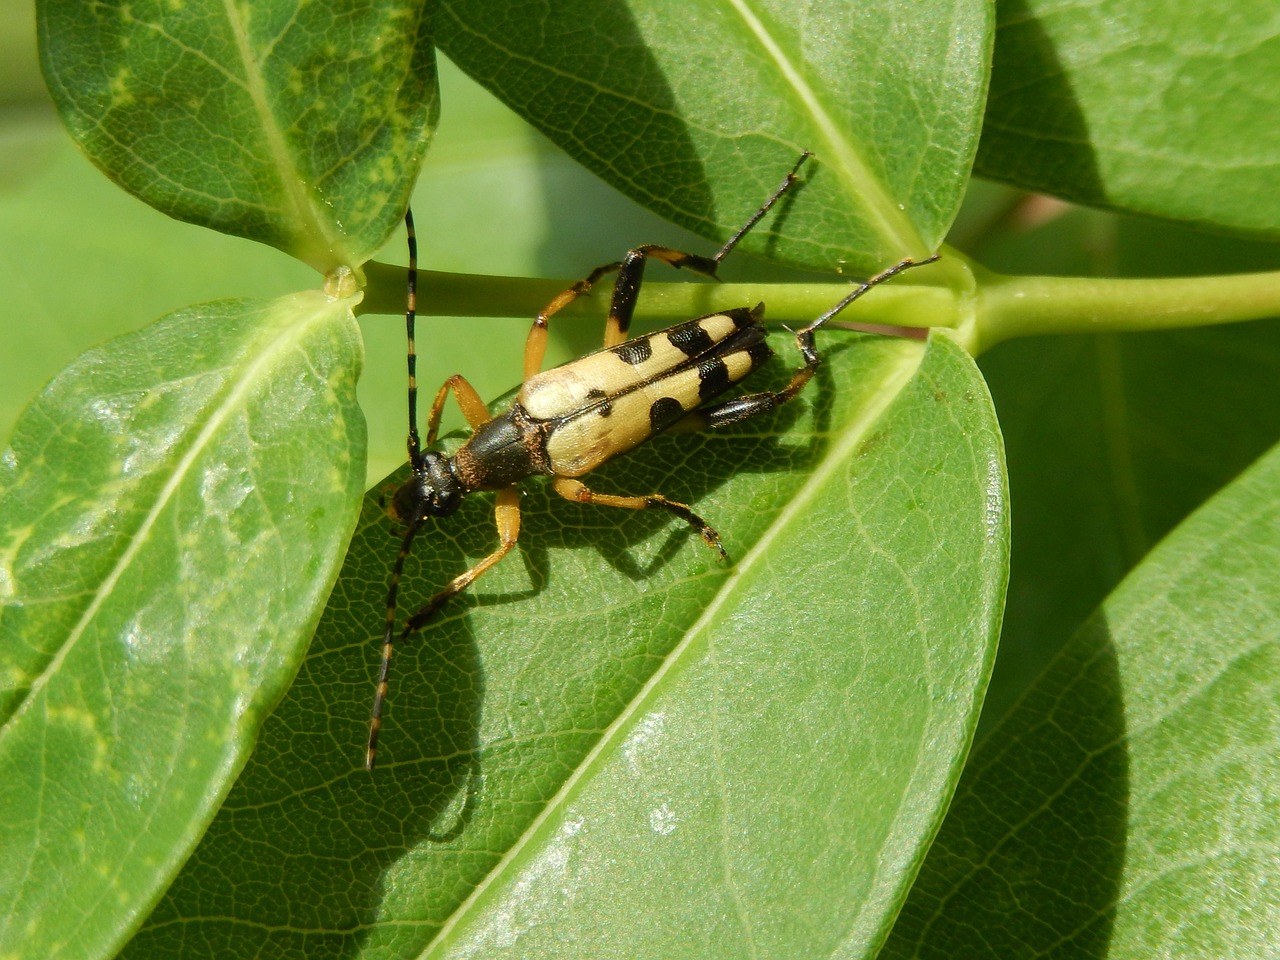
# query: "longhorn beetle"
x,y
569,420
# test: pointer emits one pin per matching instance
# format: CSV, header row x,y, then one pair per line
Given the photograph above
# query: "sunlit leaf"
x,y
301,126
776,740
173,510
694,108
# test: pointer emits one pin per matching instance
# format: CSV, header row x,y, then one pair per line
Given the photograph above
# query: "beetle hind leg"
x,y
745,407
579,492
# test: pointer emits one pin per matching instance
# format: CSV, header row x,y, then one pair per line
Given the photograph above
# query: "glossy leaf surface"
x,y
796,719
1114,439
1136,782
1157,107
693,108
173,508
298,125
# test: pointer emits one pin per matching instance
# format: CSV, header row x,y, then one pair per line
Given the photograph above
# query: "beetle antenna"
x,y
860,289
774,197
414,445
411,357
388,638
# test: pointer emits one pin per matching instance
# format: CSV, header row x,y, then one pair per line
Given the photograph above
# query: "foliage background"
x,y
1112,439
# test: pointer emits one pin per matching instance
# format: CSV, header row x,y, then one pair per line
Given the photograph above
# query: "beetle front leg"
x,y
507,515
469,402
578,492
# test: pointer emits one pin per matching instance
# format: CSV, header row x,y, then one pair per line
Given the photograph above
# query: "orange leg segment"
x,y
469,403
507,516
578,492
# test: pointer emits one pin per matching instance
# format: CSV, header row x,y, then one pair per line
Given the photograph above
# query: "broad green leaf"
x,y
1113,440
1127,807
696,108
172,512
299,126
1157,107
775,740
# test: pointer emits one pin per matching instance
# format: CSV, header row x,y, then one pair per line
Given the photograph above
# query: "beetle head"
x,y
433,491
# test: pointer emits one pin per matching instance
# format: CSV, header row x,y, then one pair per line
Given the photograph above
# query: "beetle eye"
x,y
407,499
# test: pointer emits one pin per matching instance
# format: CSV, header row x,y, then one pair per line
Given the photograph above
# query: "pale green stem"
x,y
992,309
899,303
1023,306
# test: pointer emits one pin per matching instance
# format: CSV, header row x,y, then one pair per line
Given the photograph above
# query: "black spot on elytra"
x,y
759,352
713,378
690,339
634,352
664,412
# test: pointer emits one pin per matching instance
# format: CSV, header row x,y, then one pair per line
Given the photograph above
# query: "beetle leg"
x,y
388,640
737,409
535,345
507,516
469,402
578,492
742,408
626,289
630,270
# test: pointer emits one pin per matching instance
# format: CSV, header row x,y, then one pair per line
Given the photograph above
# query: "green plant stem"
x,y
1023,306
994,309
470,295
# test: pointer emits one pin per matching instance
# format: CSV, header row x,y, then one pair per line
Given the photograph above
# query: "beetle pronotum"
x,y
569,420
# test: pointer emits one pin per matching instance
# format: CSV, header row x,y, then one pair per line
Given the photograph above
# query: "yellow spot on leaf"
x,y
121,95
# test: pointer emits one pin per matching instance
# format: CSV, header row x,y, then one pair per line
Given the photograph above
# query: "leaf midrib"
x,y
289,177
889,220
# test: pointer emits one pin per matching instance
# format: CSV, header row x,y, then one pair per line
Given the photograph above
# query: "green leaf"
x,y
299,126
172,512
1113,440
1134,788
776,740
1161,108
695,108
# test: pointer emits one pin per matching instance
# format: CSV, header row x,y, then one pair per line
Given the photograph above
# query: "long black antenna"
x,y
415,462
774,197
388,639
410,315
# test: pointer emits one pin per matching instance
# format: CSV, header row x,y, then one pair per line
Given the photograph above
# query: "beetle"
x,y
567,421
